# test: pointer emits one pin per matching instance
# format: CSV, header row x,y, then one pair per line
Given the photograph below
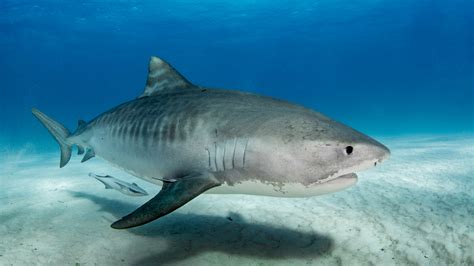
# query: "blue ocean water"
x,y
384,67
401,71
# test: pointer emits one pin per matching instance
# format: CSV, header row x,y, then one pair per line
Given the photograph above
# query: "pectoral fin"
x,y
172,196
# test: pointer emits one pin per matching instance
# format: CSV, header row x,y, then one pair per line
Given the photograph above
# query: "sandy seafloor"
x,y
416,208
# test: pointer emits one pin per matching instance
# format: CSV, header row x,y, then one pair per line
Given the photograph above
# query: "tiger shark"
x,y
190,139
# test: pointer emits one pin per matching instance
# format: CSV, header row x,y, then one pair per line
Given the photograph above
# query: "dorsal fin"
x,y
162,76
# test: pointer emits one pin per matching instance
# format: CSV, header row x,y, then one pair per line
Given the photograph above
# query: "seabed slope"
x,y
416,208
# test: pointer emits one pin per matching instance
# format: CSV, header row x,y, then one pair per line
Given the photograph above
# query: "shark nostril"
x,y
349,150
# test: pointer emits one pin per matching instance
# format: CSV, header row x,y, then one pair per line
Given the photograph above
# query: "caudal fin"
x,y
60,134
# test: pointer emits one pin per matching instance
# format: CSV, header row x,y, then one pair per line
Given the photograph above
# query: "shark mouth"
x,y
345,177
334,183
333,178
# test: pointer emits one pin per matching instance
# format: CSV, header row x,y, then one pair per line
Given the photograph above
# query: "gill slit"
x,y
233,153
215,156
223,156
245,152
177,131
209,156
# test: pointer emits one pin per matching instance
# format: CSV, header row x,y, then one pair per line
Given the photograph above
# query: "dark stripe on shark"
x,y
182,128
121,131
155,124
131,132
145,133
137,133
138,128
126,130
163,130
156,130
172,131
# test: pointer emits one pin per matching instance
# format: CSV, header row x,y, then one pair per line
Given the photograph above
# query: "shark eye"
x,y
349,150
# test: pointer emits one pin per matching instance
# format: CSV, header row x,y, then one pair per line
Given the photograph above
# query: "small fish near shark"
x,y
121,186
191,139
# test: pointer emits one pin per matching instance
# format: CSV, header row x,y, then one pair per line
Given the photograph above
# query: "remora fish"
x,y
123,187
191,139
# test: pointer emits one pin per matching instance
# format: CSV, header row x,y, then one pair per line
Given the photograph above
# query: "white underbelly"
x,y
256,187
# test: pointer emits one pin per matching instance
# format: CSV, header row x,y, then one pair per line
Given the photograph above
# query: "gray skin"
x,y
194,138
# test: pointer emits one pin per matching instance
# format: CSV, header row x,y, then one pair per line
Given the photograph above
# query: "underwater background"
x,y
401,71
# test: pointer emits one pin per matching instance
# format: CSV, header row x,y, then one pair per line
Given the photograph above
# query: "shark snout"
x,y
367,153
379,153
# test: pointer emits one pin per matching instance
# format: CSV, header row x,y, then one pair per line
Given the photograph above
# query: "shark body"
x,y
190,139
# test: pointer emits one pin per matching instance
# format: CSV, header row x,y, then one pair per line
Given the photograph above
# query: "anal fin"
x,y
172,196
89,154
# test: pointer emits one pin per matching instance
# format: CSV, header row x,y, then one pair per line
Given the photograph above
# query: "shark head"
x,y
321,154
333,162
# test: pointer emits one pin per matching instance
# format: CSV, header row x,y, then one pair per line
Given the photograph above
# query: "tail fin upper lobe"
x,y
60,134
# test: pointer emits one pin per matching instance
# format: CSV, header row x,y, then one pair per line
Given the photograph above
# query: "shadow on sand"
x,y
189,235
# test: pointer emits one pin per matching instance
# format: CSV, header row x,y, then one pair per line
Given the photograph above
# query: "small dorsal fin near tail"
x,y
59,133
81,124
161,77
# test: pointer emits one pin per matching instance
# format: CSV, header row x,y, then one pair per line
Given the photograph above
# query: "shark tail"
x,y
59,133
